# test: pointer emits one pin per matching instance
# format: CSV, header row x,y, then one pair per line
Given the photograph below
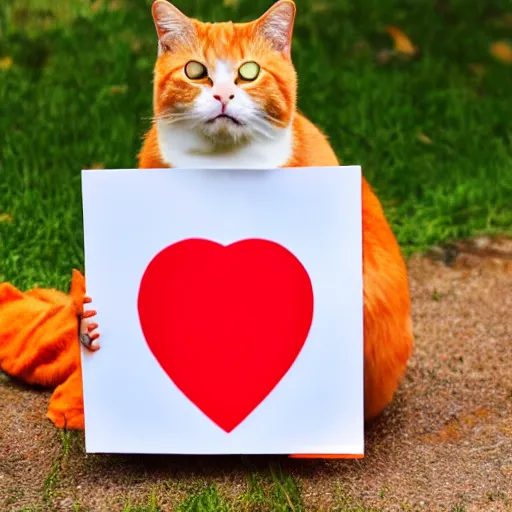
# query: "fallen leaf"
x,y
502,51
5,62
117,5
402,43
320,7
476,416
423,138
97,165
449,432
118,89
97,5
6,217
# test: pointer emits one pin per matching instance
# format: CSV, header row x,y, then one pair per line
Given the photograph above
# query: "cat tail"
x,y
39,344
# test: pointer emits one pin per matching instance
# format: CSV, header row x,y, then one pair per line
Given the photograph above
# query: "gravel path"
x,y
444,444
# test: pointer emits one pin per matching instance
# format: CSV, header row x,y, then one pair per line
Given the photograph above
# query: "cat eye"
x,y
195,70
249,71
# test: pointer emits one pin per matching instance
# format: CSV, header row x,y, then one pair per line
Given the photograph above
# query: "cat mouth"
x,y
226,118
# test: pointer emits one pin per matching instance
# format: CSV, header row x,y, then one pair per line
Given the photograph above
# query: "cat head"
x,y
229,82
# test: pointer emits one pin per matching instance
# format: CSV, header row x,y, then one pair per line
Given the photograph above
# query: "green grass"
x,y
434,137
152,506
208,499
272,491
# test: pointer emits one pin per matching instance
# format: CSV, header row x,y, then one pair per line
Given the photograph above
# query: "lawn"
x,y
432,131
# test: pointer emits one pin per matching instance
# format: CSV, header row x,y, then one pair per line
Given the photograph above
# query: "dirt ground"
x,y
444,444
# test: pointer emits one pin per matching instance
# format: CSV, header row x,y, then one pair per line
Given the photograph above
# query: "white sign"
x,y
230,309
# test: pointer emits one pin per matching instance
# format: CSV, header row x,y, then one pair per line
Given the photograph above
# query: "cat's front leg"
x,y
88,334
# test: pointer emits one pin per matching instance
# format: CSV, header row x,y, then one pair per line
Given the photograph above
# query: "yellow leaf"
x,y
97,165
402,42
502,51
6,217
5,62
118,89
320,7
423,138
117,5
97,5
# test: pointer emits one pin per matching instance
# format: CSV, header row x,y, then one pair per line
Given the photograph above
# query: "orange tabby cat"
x,y
225,96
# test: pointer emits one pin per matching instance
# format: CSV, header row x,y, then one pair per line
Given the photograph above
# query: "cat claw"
x,y
88,338
89,341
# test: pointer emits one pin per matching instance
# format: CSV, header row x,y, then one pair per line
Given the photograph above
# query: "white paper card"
x,y
230,309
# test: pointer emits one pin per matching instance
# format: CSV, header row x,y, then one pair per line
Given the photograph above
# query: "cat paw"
x,y
88,330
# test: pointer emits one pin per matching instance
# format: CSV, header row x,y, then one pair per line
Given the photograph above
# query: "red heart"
x,y
225,322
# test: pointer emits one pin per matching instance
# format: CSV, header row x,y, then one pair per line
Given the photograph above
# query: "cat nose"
x,y
224,98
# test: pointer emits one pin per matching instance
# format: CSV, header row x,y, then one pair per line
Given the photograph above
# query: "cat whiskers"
x,y
175,117
274,120
262,131
261,125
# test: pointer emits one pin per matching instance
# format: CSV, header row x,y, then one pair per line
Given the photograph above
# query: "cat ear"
x,y
172,26
276,25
